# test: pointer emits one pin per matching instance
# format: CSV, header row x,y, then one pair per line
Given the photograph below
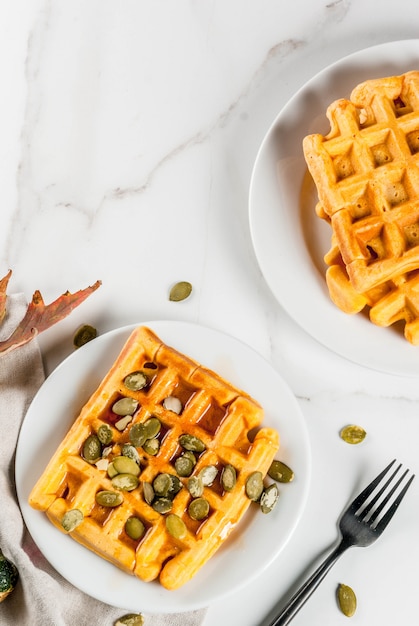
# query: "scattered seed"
x,y
180,291
346,600
83,335
131,619
269,498
353,434
280,472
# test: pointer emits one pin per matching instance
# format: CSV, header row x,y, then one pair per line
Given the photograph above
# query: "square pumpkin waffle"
x,y
130,479
366,171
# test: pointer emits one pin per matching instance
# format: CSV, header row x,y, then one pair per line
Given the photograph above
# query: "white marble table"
x,y
128,136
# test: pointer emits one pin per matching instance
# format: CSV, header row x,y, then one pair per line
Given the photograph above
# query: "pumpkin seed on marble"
x,y
92,449
195,486
228,477
83,335
125,482
180,291
254,486
208,474
109,498
134,528
175,525
280,472
125,406
269,498
346,600
72,519
198,509
104,434
131,619
192,443
135,381
353,434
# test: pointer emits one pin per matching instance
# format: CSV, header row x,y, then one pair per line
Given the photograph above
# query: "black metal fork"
x,y
360,525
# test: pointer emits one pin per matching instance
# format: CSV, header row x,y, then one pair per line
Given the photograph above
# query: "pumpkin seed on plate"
x,y
175,526
353,434
134,528
346,600
198,509
180,291
280,472
72,519
269,498
135,381
254,486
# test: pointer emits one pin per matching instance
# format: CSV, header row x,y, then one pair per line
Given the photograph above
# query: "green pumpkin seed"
x,y
172,404
192,443
109,498
228,478
72,519
151,446
83,335
346,600
353,434
134,528
135,381
92,449
280,472
254,486
125,482
111,471
175,525
125,465
198,509
183,466
208,474
104,434
195,486
152,427
131,619
131,452
125,406
138,435
162,484
180,291
148,492
162,505
269,498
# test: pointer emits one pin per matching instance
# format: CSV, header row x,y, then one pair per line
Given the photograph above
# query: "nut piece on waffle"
x,y
366,171
139,478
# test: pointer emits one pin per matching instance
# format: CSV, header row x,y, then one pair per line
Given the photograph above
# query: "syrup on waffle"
x,y
366,171
218,414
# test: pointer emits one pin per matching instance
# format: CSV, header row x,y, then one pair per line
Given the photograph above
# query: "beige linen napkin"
x,y
42,597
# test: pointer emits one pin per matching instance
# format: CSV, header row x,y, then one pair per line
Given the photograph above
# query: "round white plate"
x,y
290,240
257,540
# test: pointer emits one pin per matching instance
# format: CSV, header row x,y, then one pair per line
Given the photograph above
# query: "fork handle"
x,y
304,592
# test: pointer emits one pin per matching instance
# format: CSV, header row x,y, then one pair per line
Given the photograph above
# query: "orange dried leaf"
x,y
3,287
39,316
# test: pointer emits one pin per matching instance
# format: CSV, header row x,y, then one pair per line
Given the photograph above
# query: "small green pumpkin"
x,y
8,576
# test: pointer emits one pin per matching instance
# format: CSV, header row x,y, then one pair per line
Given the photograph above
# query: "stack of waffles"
x,y
202,406
366,171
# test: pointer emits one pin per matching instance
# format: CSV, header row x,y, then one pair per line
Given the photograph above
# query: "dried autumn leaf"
x,y
3,287
39,316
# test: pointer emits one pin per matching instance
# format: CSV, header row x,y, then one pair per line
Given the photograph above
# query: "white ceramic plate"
x,y
290,240
259,538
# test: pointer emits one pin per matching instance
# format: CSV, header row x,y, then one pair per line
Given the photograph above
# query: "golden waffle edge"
x,y
213,410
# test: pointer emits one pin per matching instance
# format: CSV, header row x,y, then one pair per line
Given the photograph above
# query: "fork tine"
x,y
391,511
381,506
359,501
